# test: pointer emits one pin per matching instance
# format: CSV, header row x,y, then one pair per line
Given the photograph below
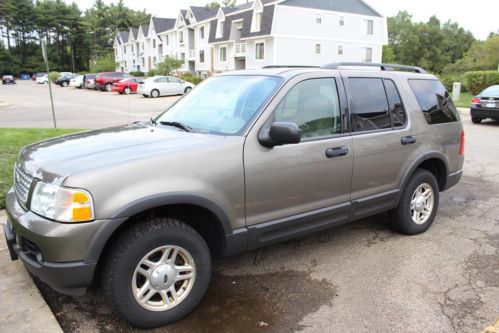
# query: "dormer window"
x,y
201,33
256,24
220,29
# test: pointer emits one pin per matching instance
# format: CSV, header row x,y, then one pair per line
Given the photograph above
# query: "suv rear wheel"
x,y
418,205
156,272
475,120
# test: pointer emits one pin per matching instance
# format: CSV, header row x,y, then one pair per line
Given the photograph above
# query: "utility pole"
x,y
45,59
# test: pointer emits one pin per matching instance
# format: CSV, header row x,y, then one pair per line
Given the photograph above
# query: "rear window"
x,y
434,101
490,92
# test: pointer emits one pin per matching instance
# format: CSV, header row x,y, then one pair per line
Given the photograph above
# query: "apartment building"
x,y
256,34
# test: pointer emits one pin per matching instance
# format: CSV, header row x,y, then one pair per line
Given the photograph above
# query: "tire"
x,y
187,90
64,84
475,120
145,95
127,91
155,93
108,87
402,217
144,243
81,86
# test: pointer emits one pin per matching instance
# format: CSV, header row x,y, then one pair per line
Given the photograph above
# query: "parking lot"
x,y
361,277
27,104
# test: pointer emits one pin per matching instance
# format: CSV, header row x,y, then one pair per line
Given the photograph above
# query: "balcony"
x,y
240,50
192,54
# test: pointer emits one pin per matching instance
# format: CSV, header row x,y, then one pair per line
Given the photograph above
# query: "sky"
x,y
478,16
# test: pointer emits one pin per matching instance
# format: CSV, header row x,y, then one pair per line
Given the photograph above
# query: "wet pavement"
x,y
361,277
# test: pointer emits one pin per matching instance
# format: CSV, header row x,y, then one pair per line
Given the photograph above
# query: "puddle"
x,y
252,303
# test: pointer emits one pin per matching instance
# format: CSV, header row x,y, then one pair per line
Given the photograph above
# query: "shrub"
x,y
152,72
189,77
448,80
167,66
53,76
479,80
137,74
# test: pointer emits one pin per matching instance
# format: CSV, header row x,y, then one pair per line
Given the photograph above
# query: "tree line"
x,y
83,40
75,39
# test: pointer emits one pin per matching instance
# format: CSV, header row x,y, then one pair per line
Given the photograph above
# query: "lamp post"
x,y
45,59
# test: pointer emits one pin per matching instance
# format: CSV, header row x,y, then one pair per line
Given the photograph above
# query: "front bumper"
x,y
64,256
482,113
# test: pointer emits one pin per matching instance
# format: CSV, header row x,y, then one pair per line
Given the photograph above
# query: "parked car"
x,y
6,79
42,78
89,80
485,105
247,159
164,86
64,80
105,81
126,86
77,82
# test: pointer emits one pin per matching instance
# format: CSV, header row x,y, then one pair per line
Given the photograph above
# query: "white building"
x,y
257,34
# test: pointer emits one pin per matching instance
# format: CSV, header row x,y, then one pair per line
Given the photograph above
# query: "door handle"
x,y
407,140
336,152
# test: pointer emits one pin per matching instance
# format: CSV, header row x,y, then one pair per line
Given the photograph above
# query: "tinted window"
x,y
370,107
313,105
434,101
490,92
395,103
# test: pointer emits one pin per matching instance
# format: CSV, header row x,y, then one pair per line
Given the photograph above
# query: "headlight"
x,y
62,204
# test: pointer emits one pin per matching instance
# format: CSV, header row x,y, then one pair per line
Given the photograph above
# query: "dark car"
x,y
105,81
485,105
8,79
64,80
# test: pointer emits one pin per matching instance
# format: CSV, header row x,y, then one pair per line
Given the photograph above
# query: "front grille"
x,y
22,185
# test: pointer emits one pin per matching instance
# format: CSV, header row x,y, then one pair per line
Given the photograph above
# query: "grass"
x,y
11,140
464,101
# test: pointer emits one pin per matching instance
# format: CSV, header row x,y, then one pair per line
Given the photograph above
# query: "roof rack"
x,y
384,67
290,66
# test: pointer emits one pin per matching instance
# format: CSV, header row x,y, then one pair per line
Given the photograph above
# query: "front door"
x,y
306,182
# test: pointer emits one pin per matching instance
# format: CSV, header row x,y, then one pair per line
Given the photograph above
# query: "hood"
x,y
55,159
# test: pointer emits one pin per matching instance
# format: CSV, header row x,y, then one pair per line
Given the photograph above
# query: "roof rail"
x,y
384,67
290,66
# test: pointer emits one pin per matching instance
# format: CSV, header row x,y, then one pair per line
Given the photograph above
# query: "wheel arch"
x,y
436,163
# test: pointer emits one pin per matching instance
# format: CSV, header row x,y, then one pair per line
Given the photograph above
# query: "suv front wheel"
x,y
418,206
156,272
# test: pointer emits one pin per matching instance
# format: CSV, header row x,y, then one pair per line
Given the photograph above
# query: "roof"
x,y
124,36
135,32
344,6
163,24
145,29
246,17
203,13
184,15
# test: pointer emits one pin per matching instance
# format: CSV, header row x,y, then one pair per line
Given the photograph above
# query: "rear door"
x,y
175,85
306,186
384,144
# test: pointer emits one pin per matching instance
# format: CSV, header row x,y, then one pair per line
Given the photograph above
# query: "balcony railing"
x,y
240,49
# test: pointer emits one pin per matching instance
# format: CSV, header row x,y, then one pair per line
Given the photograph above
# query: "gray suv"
x,y
247,159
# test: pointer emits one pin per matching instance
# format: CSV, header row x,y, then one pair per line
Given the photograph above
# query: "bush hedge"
x,y
479,80
189,77
53,76
448,80
137,74
151,73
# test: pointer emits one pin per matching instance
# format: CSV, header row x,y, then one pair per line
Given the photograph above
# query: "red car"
x,y
126,86
105,81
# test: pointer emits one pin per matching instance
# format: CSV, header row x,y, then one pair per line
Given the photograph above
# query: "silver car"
x,y
164,86
247,159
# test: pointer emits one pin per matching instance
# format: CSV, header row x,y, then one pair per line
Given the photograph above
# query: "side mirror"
x,y
279,134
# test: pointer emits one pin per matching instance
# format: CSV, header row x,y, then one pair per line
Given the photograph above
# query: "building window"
x,y
143,46
143,61
167,40
201,56
181,37
126,65
258,22
260,51
368,54
342,20
153,43
201,33
340,50
317,48
182,56
318,19
220,30
132,48
369,27
223,54
154,61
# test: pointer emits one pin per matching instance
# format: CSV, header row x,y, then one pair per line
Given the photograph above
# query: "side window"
x,y
434,101
399,117
314,106
370,106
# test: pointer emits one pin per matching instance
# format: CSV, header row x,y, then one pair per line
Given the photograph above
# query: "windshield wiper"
x,y
176,124
153,122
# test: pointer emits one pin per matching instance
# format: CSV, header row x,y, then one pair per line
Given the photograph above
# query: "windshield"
x,y
490,92
222,105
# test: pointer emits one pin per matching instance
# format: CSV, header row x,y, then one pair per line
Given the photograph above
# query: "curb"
x,y
22,307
